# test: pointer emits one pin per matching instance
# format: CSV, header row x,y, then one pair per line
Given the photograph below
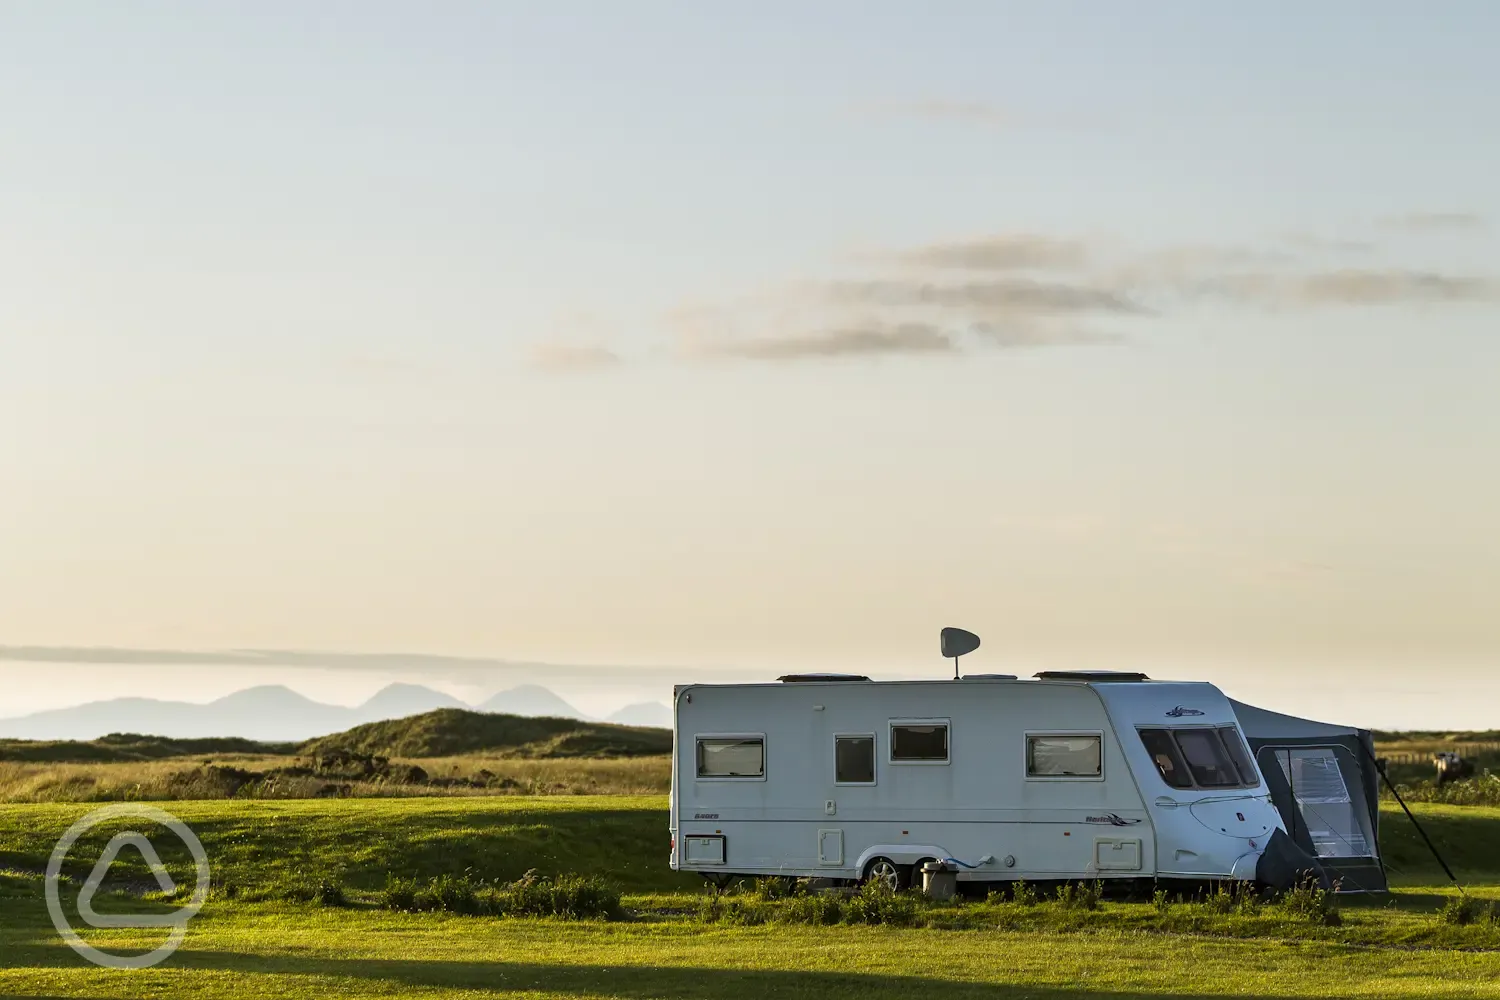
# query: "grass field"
x,y
238,948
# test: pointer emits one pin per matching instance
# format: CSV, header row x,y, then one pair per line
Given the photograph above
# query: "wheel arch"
x,y
902,854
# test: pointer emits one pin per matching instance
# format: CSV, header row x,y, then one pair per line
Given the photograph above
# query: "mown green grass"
x,y
1467,836
976,949
236,950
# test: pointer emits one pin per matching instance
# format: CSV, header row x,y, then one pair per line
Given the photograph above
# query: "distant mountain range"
x,y
274,713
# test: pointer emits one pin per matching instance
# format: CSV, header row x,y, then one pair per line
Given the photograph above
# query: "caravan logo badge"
x,y
1179,712
1112,819
177,920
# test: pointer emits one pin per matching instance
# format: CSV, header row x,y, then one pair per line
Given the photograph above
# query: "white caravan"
x,y
1071,775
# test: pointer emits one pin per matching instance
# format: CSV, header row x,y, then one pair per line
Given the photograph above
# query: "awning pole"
x,y
1426,839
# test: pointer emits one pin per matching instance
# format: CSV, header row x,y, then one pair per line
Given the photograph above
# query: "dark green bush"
x,y
399,894
451,894
741,910
1308,901
1080,895
1464,910
877,903
569,896
775,887
1022,893
330,892
814,908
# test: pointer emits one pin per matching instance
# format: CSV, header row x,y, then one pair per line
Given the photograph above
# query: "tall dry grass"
x,y
188,778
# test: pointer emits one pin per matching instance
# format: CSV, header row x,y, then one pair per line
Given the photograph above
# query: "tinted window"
x,y
1206,758
1239,755
1167,757
919,742
854,759
731,758
1064,757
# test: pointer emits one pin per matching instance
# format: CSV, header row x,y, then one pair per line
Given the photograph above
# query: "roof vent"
x,y
1091,675
990,677
796,678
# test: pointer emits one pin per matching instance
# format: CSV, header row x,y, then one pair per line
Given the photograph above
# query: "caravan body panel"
x,y
1033,779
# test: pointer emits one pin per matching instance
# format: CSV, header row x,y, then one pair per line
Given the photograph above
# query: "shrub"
x,y
1232,897
1483,790
1309,901
773,887
331,893
453,894
1080,895
815,908
1161,900
1219,900
581,896
733,910
877,903
569,896
1023,893
300,887
399,894
1465,910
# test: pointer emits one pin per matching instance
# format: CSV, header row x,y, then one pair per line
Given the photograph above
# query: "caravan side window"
x,y
854,759
919,741
732,756
1064,755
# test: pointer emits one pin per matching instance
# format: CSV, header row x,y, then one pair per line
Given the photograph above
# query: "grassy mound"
x,y
258,777
450,731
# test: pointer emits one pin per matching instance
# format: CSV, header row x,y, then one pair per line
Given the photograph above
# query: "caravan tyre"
x,y
896,877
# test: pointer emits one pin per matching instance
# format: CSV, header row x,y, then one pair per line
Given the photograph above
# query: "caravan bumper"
x,y
1244,869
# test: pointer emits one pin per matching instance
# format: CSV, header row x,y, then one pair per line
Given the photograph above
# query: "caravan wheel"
x,y
885,870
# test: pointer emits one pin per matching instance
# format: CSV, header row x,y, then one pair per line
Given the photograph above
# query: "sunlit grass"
x,y
1393,947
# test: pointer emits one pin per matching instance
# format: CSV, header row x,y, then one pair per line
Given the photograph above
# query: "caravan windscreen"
x,y
1207,759
1167,758
1235,744
1201,757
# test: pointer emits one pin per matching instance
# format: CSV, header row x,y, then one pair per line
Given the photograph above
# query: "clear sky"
x,y
758,336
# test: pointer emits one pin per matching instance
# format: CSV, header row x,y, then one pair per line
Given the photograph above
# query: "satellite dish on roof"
x,y
955,642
